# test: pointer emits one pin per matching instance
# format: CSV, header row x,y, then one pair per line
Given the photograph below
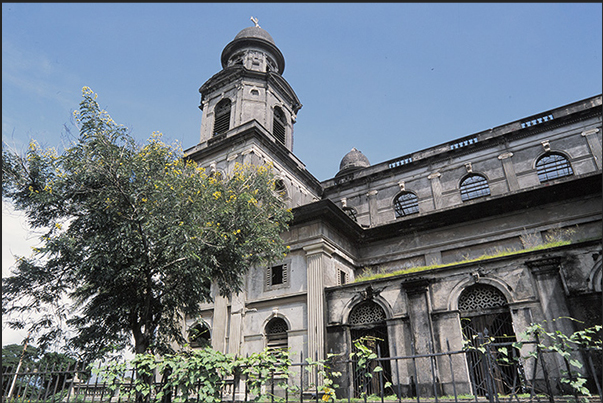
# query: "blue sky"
x,y
386,78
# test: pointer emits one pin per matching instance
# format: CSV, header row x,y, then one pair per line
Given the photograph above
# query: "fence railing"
x,y
479,374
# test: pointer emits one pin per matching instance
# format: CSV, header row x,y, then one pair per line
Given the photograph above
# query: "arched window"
x,y
222,117
474,186
280,188
199,336
406,203
278,124
276,334
552,166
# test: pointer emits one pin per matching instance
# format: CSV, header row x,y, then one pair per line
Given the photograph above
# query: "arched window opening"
x,y
199,336
406,203
222,117
474,186
351,212
367,323
485,313
280,188
278,124
276,335
552,166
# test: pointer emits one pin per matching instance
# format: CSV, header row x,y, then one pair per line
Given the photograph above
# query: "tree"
x,y
134,236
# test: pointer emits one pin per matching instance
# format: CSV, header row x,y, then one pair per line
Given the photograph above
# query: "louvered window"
x,y
474,186
222,117
342,277
406,203
277,277
278,125
552,166
276,334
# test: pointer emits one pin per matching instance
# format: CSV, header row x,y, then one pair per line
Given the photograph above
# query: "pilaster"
x,y
318,257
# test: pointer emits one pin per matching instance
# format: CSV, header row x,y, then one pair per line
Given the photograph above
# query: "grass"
x,y
369,275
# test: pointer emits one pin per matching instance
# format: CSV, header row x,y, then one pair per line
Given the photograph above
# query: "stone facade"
x,y
420,221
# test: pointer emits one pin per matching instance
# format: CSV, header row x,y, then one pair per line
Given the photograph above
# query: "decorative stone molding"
x,y
414,287
402,186
372,193
545,266
504,156
546,145
344,202
589,132
434,175
469,167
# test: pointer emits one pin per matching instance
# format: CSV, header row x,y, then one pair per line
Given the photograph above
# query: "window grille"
x,y
366,312
351,212
278,125
552,166
479,296
277,276
276,334
222,117
406,203
474,186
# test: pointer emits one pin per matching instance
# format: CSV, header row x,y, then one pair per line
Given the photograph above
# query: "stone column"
x,y
448,329
237,311
436,189
594,143
318,258
421,332
220,324
509,171
553,301
372,205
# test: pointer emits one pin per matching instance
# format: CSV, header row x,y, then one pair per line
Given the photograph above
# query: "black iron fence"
x,y
479,374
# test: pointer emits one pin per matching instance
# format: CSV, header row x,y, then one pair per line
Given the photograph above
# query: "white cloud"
x,y
17,240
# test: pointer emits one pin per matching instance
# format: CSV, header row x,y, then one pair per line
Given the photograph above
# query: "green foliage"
x,y
134,236
198,374
564,345
555,342
325,374
365,357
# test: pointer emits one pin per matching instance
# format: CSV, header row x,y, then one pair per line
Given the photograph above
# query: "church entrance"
x,y
367,322
486,322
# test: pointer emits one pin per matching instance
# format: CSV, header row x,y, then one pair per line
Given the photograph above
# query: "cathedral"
x,y
489,232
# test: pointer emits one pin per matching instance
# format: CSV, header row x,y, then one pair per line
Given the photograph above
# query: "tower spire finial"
x,y
255,21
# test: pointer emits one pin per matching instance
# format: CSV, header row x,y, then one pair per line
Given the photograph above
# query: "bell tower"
x,y
249,87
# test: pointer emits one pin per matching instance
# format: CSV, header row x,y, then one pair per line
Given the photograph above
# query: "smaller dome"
x,y
255,32
352,161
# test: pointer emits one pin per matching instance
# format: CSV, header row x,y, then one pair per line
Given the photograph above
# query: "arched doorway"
x,y
367,322
486,322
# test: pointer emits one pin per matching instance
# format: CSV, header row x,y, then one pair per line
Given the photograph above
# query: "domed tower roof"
x,y
253,37
352,161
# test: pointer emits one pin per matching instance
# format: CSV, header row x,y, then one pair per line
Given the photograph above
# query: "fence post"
x,y
451,371
301,377
382,392
414,366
